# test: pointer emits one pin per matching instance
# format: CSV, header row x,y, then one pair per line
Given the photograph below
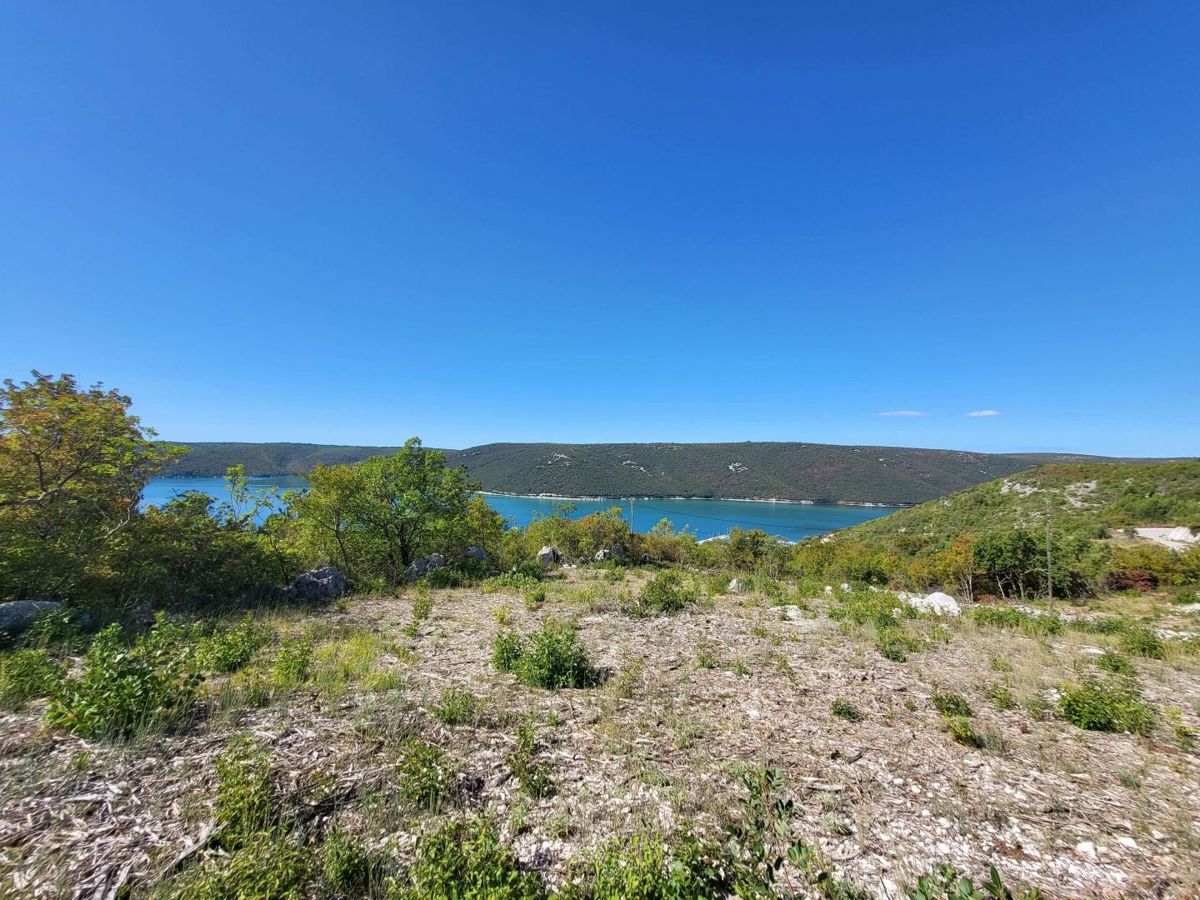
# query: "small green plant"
x,y
514,582
646,867
530,771
535,597
844,709
1113,704
457,707
229,650
467,861
422,608
28,675
1184,736
347,867
445,577
1007,617
1002,696
944,883
292,663
740,668
1116,663
1186,597
949,703
244,802
125,690
667,592
1143,642
549,658
706,654
960,728
57,631
425,776
270,865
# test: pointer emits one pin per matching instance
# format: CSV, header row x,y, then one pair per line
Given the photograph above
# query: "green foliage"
x,y
292,662
530,771
511,582
644,867
28,675
347,868
949,703
1002,696
377,516
1113,704
1115,663
425,776
269,865
945,883
230,649
550,658
125,690
422,606
535,597
457,707
960,728
1007,617
466,861
667,592
244,803
878,608
844,709
73,463
57,631
1143,642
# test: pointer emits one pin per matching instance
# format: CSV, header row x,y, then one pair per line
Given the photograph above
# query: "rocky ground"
x,y
689,698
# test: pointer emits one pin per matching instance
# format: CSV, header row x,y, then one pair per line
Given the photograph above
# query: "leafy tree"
x,y
73,463
1008,557
375,517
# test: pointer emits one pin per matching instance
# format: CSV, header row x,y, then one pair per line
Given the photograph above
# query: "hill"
x,y
750,470
1078,496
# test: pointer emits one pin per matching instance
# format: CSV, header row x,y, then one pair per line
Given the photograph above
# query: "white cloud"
x,y
984,412
903,412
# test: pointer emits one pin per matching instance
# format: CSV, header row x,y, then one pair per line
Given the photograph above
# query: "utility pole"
x,y
631,528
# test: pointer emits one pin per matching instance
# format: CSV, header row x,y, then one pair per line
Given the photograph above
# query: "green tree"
x,y
1008,558
375,517
73,463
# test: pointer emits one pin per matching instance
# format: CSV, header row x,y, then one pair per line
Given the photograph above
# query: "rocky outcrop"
x,y
475,554
18,617
316,585
548,556
937,603
607,553
424,565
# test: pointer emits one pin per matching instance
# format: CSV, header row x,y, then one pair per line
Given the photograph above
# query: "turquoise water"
x,y
703,518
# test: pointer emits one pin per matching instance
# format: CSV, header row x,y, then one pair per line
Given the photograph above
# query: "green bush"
x,y
58,631
535,597
347,868
961,729
645,868
1116,663
28,675
1113,704
445,577
244,802
125,690
1143,642
550,658
457,707
1007,617
229,650
663,594
514,582
878,608
270,865
1002,696
844,709
949,703
530,771
425,775
467,861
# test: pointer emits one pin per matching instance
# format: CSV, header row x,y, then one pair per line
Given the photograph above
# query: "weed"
x,y
466,861
530,772
844,709
706,654
229,650
502,615
28,675
949,703
291,665
667,592
740,668
944,883
550,658
1007,617
457,707
1002,696
424,775
514,582
244,788
347,867
1143,642
268,866
960,728
57,631
1116,663
1184,736
645,868
535,597
1113,704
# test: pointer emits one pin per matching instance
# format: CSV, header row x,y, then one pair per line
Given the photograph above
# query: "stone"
x,y
548,556
1086,848
18,616
326,583
424,565
734,587
476,553
937,603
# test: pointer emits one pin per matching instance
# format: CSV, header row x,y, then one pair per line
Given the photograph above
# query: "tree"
x,y
375,517
1008,558
73,463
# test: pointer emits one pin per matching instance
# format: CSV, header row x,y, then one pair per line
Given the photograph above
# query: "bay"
x,y
703,518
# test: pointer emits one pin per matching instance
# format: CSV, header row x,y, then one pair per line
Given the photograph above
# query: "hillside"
x,y
750,470
1079,496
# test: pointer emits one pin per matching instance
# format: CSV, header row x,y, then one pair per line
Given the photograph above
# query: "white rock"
x,y
1086,848
829,589
735,586
1128,843
937,603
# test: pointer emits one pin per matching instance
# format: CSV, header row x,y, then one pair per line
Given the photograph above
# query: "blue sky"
x,y
355,222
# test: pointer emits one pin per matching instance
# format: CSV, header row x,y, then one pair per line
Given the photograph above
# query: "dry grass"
x,y
690,698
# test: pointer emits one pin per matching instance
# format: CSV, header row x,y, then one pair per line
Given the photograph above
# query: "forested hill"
x,y
751,470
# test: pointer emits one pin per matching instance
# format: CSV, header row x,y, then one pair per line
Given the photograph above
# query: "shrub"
x,y
58,631
422,606
530,772
1002,696
1107,705
347,867
445,578
949,703
290,669
645,868
960,728
514,581
665,593
28,675
124,690
550,658
1116,663
883,610
457,707
244,790
844,709
229,650
1143,642
1007,617
268,866
535,597
425,776
467,861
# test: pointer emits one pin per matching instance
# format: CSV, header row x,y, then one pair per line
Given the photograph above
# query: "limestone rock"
x,y
548,556
424,565
18,616
318,584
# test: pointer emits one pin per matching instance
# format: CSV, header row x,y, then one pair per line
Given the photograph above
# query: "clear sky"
x,y
354,222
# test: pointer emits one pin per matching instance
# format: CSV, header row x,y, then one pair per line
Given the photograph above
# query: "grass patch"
x,y
458,707
28,675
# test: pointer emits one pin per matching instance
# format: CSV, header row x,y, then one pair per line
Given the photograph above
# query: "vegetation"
x,y
548,658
